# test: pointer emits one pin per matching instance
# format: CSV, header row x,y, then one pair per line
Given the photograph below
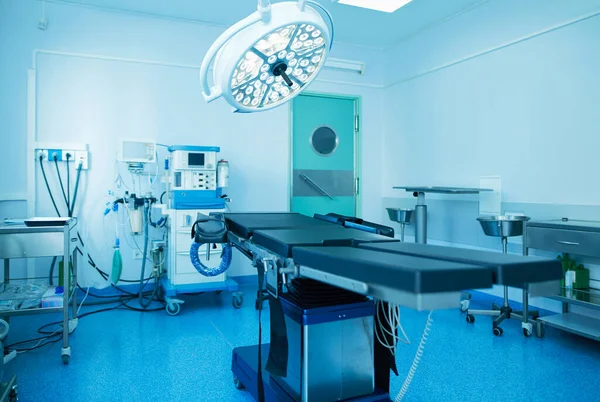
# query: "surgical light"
x,y
270,57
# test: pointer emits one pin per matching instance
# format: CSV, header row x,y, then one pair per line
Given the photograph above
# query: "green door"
x,y
324,158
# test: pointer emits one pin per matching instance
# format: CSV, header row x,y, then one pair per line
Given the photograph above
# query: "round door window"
x,y
324,141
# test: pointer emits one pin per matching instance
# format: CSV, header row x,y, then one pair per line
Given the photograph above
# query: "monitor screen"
x,y
195,159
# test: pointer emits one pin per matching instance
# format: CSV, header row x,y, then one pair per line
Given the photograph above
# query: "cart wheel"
x,y
498,331
66,359
14,394
470,318
464,305
258,304
527,329
173,308
237,383
237,300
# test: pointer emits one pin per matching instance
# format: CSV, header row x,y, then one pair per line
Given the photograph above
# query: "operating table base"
x,y
244,364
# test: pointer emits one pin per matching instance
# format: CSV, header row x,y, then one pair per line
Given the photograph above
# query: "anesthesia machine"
x,y
196,180
194,183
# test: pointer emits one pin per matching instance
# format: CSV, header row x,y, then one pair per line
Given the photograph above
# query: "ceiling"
x,y
355,26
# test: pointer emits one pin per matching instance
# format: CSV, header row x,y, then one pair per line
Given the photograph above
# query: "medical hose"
x,y
51,277
143,301
48,187
418,356
75,192
203,269
62,187
69,187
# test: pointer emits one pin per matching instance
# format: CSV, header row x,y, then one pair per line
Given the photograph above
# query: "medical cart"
x,y
44,238
196,180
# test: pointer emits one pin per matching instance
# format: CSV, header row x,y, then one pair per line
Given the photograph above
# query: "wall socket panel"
x,y
138,255
75,156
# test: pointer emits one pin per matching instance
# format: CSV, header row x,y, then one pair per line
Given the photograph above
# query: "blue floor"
x,y
129,356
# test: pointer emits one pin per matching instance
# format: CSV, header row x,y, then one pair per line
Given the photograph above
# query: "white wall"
x,y
87,92
527,112
509,88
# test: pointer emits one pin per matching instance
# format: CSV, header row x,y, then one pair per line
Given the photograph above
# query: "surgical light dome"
x,y
269,57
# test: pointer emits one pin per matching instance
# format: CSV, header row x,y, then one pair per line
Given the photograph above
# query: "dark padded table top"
x,y
283,241
509,270
244,224
400,272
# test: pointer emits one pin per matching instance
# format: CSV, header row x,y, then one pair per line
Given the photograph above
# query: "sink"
x,y
503,225
400,215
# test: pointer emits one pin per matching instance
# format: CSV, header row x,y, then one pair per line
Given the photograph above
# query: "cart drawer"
x,y
566,241
186,273
25,245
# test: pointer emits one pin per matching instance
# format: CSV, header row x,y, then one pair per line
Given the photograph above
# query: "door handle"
x,y
315,185
567,243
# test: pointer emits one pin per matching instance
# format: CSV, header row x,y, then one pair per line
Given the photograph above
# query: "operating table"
x,y
322,275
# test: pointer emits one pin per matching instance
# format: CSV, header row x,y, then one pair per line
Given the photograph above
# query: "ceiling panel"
x,y
354,25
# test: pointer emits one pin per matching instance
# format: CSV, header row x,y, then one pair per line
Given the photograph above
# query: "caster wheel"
x,y
14,394
173,308
238,384
464,306
470,318
66,359
498,331
237,300
258,304
527,329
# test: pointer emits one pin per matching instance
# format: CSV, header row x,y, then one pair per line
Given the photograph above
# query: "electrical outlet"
x,y
41,152
83,158
137,255
55,154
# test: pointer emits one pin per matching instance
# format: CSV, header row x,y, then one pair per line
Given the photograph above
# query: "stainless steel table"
x,y
21,241
421,207
575,237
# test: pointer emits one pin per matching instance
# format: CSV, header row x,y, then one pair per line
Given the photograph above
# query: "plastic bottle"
x,y
117,264
61,272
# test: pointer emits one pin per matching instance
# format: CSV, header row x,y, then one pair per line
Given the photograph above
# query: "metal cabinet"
x,y
574,237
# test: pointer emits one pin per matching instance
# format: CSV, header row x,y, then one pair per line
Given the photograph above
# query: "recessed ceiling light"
x,y
387,6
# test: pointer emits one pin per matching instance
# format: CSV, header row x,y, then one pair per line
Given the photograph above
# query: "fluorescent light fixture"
x,y
270,57
387,6
345,65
